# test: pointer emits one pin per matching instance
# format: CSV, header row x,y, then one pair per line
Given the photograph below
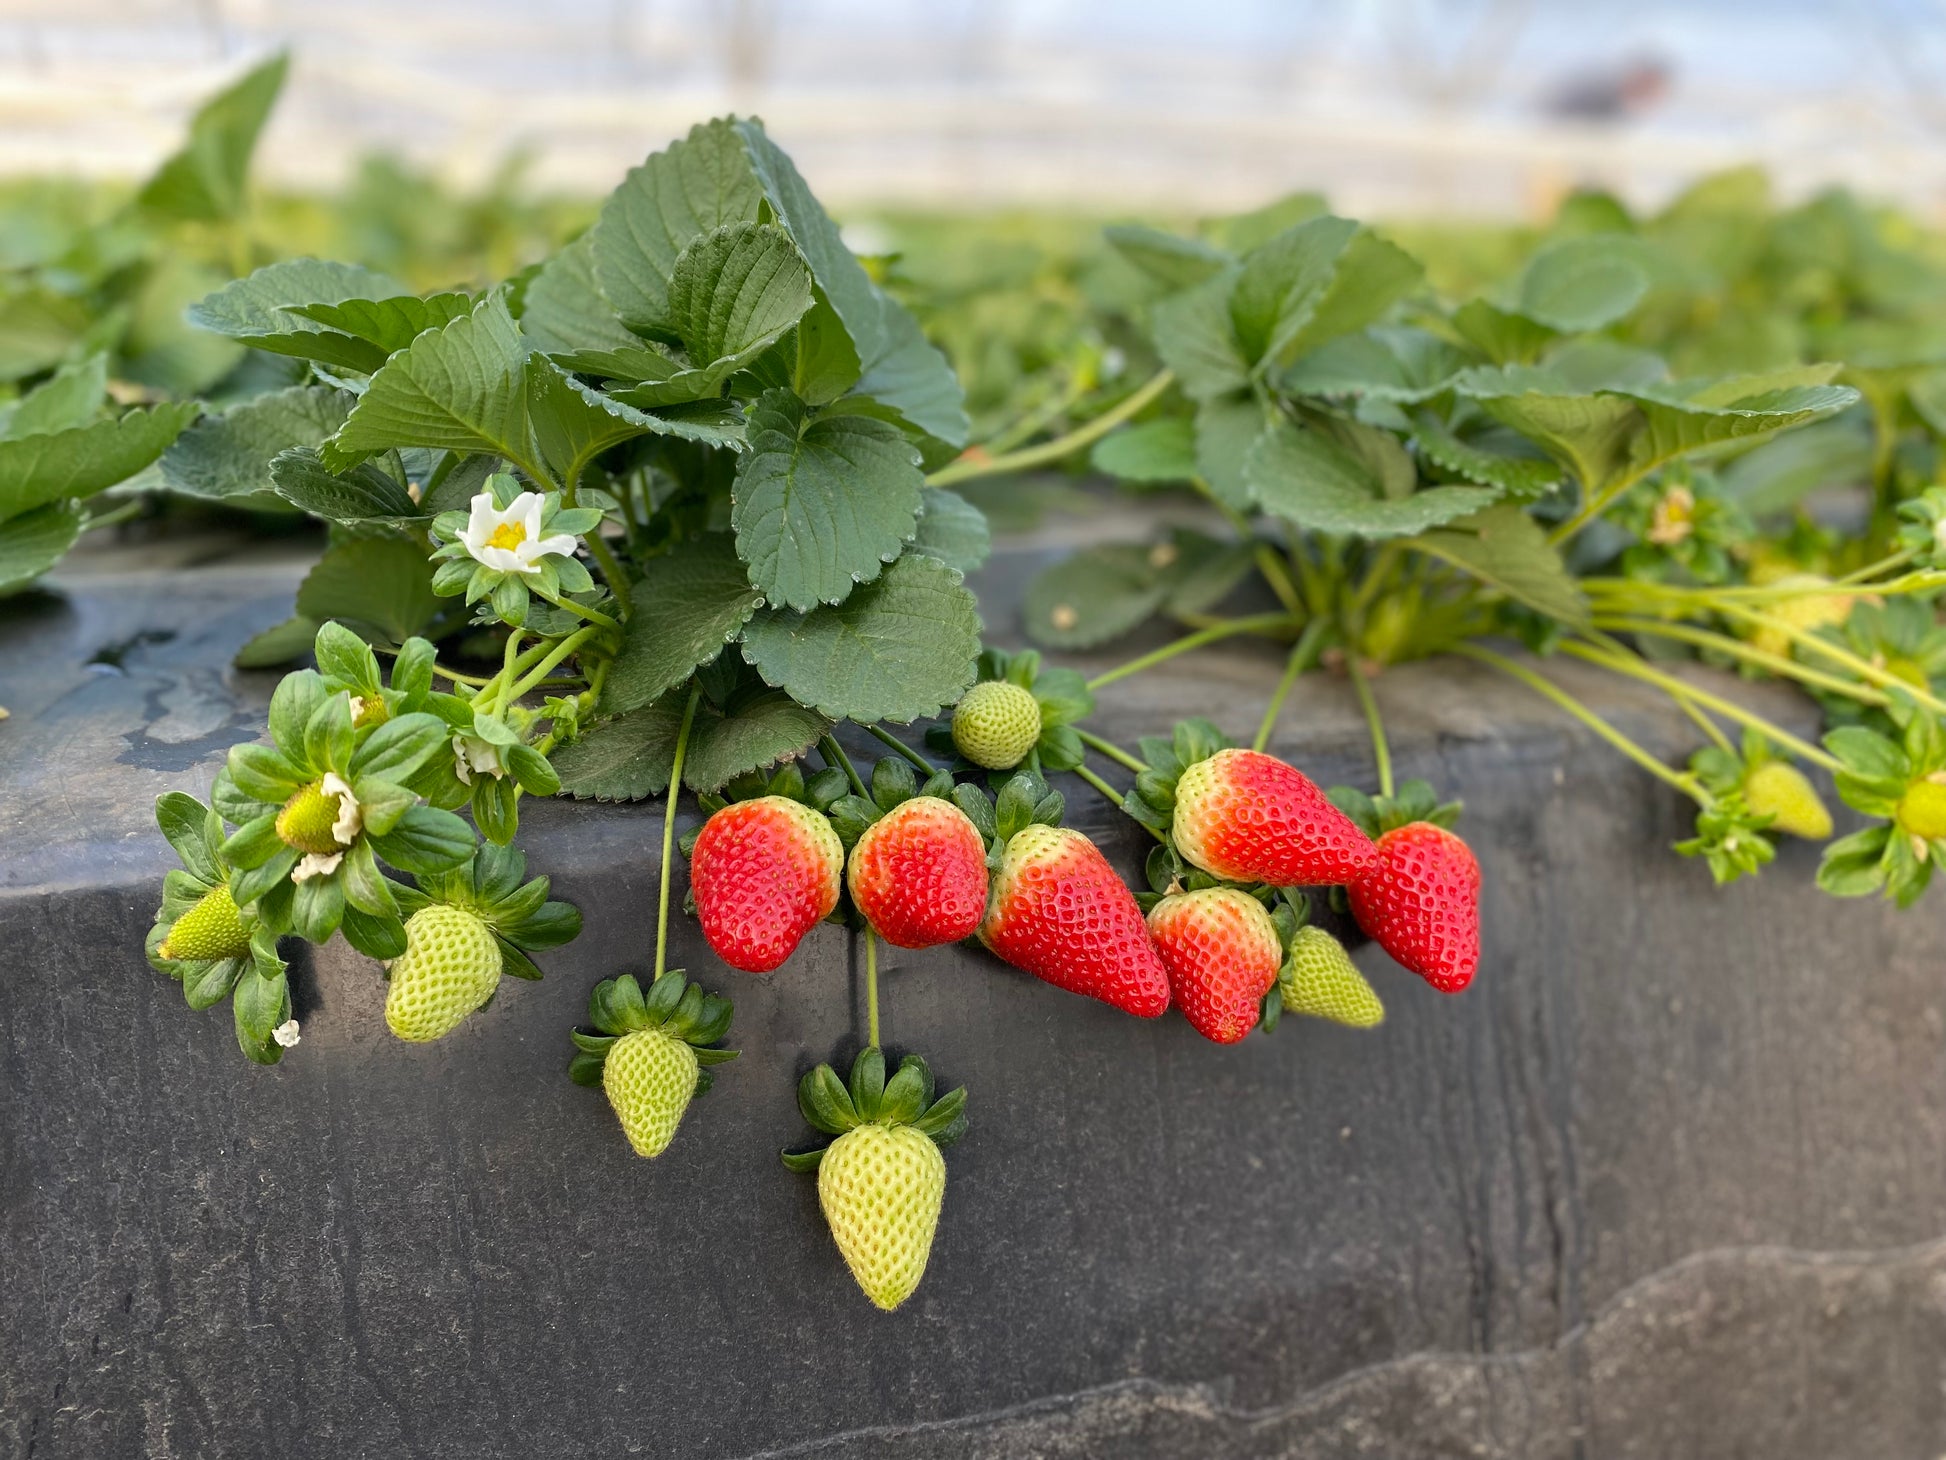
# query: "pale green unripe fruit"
x,y
996,724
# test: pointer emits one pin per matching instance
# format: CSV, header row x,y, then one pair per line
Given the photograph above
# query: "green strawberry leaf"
x,y
362,493
1196,336
689,606
1505,548
910,378
70,398
1098,594
1174,263
898,648
630,757
1511,471
460,388
952,530
205,182
35,541
564,311
227,457
259,311
1386,363
1226,428
36,471
1317,484
1153,453
687,189
382,582
391,324
822,500
735,290
1582,283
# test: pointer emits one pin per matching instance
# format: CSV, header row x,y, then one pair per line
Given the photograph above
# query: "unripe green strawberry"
x,y
649,1077
307,819
1922,810
881,1187
996,723
1782,792
209,930
649,1052
451,966
1320,979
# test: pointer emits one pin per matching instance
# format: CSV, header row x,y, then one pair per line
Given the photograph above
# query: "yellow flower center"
x,y
508,535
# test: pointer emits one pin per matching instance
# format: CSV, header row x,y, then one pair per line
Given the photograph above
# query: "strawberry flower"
x,y
510,538
510,544
317,807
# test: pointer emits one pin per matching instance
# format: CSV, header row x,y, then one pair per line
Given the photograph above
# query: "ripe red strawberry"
x,y
919,873
1422,904
764,873
1222,953
1060,912
1247,817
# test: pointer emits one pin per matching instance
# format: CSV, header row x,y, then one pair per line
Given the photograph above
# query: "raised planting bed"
x,y
1667,1181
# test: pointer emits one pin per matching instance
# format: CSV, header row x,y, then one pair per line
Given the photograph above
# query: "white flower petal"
x,y
314,864
507,560
480,525
526,510
351,817
286,1033
539,547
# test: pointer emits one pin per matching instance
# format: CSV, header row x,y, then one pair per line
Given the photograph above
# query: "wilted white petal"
x,y
351,817
315,864
286,1033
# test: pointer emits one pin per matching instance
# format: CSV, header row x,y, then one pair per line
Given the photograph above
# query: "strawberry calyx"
x,y
819,791
996,732
833,1106
673,1006
491,886
1025,800
1411,801
893,782
1152,799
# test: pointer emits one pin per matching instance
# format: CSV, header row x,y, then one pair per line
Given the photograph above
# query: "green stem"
x,y
919,762
592,615
1682,781
540,671
1038,418
611,570
1303,656
1112,797
1863,668
1059,448
1272,567
871,985
505,678
113,516
1747,652
1597,502
834,754
1704,723
1113,751
1380,750
1254,624
1634,668
669,829
1374,579
1883,565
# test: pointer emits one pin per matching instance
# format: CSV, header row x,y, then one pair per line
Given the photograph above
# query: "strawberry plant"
x,y
671,509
